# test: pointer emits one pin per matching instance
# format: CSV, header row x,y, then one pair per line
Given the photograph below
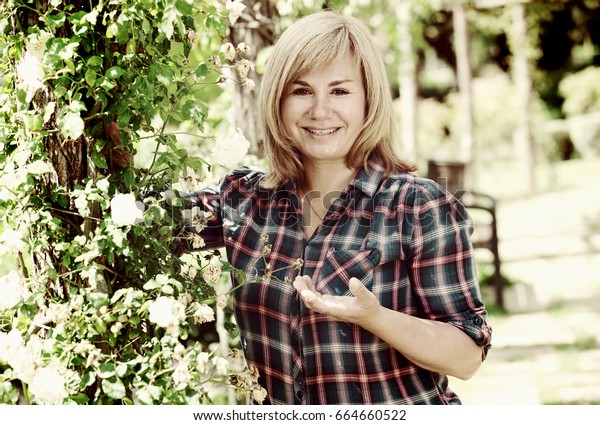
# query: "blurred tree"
x,y
253,31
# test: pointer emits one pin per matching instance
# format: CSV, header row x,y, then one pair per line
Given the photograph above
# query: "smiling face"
x,y
323,111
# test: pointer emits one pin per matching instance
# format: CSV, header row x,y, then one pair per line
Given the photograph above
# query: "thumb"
x,y
358,289
362,295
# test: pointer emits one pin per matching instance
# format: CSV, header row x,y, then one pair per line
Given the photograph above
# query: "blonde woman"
x,y
368,292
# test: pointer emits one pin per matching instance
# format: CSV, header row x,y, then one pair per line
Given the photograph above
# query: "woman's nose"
x,y
320,107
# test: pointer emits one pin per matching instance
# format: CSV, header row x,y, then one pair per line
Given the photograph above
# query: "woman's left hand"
x,y
432,345
358,309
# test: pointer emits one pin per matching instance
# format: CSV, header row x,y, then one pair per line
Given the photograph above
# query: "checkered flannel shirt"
x,y
405,237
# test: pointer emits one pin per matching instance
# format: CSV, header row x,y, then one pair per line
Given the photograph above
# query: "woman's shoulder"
x,y
411,197
244,182
244,175
411,187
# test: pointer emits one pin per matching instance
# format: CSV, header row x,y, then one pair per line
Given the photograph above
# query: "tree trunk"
x,y
407,75
70,163
255,28
463,75
523,141
68,159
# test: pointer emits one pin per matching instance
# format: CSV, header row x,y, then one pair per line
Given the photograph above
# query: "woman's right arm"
x,y
202,221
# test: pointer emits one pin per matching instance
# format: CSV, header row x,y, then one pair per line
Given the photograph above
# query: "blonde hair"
x,y
312,42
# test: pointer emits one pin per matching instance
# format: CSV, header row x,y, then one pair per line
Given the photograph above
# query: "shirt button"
x,y
300,394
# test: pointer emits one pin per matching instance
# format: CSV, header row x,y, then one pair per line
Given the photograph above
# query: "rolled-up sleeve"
x,y
442,266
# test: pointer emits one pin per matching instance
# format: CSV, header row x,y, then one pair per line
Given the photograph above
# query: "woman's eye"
x,y
340,91
301,92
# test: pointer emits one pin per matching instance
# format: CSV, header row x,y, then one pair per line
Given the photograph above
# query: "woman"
x,y
367,291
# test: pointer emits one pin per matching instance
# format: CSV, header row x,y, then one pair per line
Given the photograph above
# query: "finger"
x,y
302,283
356,287
362,294
312,301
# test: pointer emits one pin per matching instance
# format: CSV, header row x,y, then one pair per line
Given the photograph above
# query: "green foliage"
x,y
581,91
102,307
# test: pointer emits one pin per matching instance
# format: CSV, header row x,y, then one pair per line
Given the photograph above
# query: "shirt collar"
x,y
368,179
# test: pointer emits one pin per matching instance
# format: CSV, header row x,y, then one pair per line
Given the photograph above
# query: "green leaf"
x,y
114,388
8,393
129,178
95,62
100,326
60,91
124,117
87,379
152,284
80,398
167,289
118,294
114,72
202,70
29,311
34,122
55,21
71,125
112,339
170,14
121,370
99,160
106,370
143,397
184,7
22,95
105,83
90,77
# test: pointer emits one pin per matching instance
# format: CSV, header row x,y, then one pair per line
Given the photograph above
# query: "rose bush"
x,y
100,308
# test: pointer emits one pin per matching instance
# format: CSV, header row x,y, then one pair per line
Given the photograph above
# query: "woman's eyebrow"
x,y
333,83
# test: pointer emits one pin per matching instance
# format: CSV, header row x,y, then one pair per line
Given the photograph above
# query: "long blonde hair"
x,y
312,42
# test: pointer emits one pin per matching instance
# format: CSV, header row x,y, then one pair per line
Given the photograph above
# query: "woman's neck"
x,y
326,177
323,183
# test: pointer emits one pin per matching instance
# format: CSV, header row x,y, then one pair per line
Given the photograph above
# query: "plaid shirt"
x,y
405,237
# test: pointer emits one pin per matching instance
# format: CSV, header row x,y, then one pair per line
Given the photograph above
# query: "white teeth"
x,y
321,132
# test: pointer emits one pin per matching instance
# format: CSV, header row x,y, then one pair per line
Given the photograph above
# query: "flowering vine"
x,y
97,307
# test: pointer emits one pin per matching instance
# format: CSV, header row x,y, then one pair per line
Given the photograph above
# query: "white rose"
x,y
230,150
248,84
204,314
259,395
48,386
13,352
235,8
244,49
125,210
39,167
167,312
221,365
203,364
22,363
31,74
212,272
12,241
58,313
181,374
228,51
196,218
222,300
244,66
103,185
12,291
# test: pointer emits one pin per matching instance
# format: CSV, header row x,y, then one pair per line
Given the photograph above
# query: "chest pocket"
x,y
340,266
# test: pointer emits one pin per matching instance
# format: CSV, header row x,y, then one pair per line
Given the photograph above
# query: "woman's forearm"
x,y
432,345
